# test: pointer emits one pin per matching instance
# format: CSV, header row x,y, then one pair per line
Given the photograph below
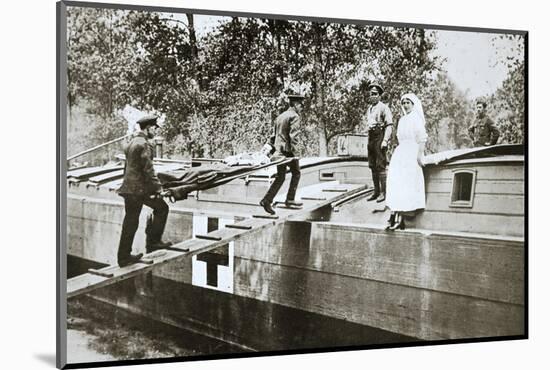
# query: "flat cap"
x,y
377,87
295,97
147,120
481,101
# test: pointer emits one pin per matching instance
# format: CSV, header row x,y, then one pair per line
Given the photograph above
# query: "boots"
x,y
150,247
293,204
399,222
266,204
391,221
153,241
382,197
376,182
129,260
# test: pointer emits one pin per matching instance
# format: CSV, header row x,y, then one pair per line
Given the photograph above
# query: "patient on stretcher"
x,y
247,159
182,182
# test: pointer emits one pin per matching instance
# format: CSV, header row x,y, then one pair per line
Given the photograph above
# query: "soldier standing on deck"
x,y
141,186
378,121
284,145
483,130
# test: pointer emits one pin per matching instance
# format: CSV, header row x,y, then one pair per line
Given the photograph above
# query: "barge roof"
x,y
494,153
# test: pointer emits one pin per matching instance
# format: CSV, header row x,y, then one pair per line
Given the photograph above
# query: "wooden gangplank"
x,y
314,197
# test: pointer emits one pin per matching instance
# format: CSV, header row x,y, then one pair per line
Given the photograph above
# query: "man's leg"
x,y
377,163
276,186
376,183
372,155
382,177
381,164
132,206
155,227
274,189
294,181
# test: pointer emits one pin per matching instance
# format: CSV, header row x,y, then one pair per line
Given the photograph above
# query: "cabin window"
x,y
212,224
327,175
331,175
463,188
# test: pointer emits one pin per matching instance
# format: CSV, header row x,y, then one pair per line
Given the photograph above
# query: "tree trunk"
x,y
323,144
319,96
194,50
279,75
192,36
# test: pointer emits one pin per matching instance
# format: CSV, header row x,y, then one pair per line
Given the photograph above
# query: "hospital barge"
x,y
332,277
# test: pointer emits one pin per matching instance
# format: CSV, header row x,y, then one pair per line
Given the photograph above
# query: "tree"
x,y
508,102
446,111
100,54
221,92
332,63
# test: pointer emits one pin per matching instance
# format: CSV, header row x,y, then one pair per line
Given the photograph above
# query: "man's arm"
x,y
269,146
471,133
294,127
272,137
148,169
388,123
494,133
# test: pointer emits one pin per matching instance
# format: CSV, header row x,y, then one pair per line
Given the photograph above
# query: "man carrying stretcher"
x,y
283,144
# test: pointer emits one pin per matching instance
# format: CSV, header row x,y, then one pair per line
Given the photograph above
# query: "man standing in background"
x,y
378,121
483,130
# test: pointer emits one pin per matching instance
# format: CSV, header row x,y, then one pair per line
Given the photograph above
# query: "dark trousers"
x,y
294,167
377,156
133,205
378,160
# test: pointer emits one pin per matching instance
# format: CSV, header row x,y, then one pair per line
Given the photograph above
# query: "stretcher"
x,y
202,178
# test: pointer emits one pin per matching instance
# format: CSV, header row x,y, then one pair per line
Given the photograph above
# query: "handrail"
x,y
122,157
98,147
349,198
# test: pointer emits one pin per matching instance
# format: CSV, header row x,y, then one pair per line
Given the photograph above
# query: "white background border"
x,y
28,183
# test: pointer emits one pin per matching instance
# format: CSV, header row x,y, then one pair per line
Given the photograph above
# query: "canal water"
x,y
98,331
101,332
181,320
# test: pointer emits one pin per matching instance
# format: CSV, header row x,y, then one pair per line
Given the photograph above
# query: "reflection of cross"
x,y
213,260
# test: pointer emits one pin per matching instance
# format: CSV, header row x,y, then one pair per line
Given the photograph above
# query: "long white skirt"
x,y
405,183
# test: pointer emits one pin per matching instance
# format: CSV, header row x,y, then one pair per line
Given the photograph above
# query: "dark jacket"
x,y
139,175
482,131
282,140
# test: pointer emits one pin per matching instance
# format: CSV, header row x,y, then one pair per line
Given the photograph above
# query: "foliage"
x,y
447,128
100,53
332,63
508,102
221,92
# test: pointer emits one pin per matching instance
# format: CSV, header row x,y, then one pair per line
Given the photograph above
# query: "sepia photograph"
x,y
240,184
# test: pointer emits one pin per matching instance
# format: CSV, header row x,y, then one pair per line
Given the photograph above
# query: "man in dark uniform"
x,y
483,130
283,143
141,186
378,122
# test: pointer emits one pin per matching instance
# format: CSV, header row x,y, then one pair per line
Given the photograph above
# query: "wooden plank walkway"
x,y
314,197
